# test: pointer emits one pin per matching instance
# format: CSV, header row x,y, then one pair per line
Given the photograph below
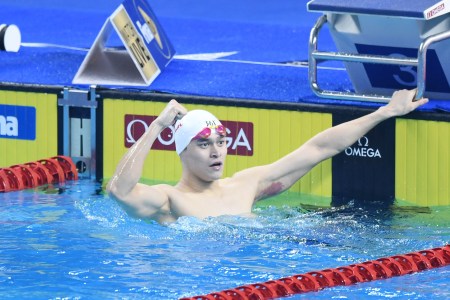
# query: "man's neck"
x,y
195,185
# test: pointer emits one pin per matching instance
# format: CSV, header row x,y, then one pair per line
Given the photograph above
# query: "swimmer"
x,y
200,142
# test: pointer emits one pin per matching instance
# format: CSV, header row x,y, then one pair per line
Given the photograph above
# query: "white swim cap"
x,y
191,125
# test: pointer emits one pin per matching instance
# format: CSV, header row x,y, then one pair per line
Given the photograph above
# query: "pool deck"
x,y
223,50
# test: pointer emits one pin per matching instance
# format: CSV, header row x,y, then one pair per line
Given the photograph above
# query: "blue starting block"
x,y
385,45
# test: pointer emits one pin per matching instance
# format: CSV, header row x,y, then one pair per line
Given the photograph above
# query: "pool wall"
x,y
404,159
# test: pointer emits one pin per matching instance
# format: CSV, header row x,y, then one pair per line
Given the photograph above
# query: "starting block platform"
x,y
385,46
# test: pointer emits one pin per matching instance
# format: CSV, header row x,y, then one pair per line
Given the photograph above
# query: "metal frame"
x,y
87,99
316,55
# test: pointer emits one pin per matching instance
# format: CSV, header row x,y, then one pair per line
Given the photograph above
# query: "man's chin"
x,y
216,175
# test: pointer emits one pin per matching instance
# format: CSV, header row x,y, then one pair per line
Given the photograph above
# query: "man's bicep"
x,y
280,175
262,180
144,200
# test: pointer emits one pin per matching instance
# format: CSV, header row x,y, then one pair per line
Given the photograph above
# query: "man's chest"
x,y
223,202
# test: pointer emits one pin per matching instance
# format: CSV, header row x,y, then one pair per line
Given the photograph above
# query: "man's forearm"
x,y
336,139
130,167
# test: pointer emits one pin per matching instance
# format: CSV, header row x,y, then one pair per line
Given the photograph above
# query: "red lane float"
x,y
44,176
69,170
381,268
29,177
14,179
55,169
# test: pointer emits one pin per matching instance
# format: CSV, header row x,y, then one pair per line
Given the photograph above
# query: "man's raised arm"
x,y
286,171
124,184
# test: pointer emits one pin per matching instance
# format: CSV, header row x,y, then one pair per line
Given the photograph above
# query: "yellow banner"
x,y
259,136
422,162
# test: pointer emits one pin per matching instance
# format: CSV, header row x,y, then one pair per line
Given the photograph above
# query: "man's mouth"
x,y
216,164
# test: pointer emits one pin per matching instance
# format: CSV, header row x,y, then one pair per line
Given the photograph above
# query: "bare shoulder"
x,y
251,174
161,192
265,180
145,200
249,178
164,187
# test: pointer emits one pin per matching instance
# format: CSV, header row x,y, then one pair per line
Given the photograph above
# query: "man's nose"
x,y
214,151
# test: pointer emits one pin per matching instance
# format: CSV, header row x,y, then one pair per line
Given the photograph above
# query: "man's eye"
x,y
221,143
203,145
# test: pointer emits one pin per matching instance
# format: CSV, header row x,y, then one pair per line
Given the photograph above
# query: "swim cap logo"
x,y
178,126
211,124
239,137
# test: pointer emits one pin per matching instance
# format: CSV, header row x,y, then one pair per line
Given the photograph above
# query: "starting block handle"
x,y
316,55
422,60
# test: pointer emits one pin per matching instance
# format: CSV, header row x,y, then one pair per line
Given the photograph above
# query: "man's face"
x,y
205,157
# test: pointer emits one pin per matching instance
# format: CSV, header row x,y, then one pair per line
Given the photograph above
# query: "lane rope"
x,y
382,268
56,169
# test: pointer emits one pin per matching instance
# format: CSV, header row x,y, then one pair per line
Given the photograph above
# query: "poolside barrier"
x,y
56,169
381,268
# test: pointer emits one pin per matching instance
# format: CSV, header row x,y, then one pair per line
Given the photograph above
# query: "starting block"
x,y
385,46
147,49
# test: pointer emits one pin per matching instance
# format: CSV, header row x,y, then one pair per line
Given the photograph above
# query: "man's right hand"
x,y
171,113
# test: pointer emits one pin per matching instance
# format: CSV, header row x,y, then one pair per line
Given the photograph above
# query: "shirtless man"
x,y
200,143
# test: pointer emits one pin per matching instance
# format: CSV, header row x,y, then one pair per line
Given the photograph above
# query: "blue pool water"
x,y
73,242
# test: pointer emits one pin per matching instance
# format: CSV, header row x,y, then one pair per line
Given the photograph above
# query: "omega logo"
x,y
130,137
362,149
365,143
239,138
